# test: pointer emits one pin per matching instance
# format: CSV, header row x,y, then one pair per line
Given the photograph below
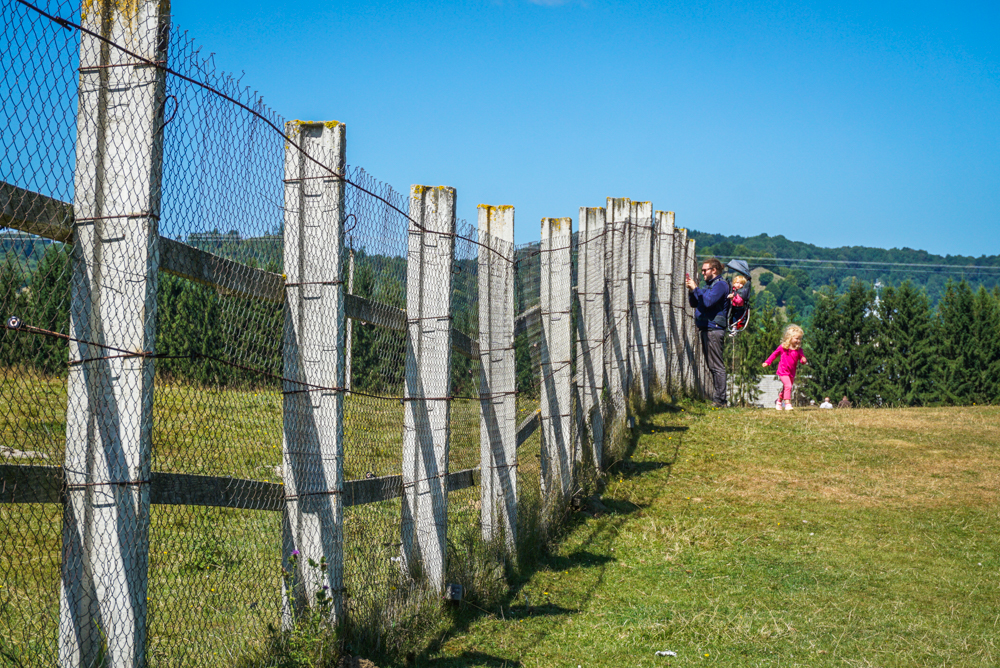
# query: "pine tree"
x,y
825,348
907,348
959,343
13,350
986,364
48,308
859,327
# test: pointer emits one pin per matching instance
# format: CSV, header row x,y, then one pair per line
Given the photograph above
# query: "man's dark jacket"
x,y
709,304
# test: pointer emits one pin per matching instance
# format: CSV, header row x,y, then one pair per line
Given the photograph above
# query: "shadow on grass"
x,y
507,610
474,659
513,606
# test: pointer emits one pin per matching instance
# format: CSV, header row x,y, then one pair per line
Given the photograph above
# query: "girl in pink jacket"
x,y
791,354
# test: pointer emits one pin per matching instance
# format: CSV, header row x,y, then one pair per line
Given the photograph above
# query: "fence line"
x,y
355,333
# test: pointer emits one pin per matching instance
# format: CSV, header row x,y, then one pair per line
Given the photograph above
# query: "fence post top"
x,y
591,219
295,126
497,222
554,226
417,191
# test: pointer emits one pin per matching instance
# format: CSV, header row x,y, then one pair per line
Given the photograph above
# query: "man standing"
x,y
709,305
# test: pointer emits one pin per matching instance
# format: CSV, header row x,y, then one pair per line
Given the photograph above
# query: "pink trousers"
x,y
785,393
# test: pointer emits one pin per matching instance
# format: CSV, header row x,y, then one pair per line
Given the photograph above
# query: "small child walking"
x,y
791,354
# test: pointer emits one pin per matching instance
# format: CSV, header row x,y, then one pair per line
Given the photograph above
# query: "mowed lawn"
x,y
764,538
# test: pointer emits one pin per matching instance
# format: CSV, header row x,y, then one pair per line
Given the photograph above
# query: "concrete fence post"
x,y
115,261
427,393
698,385
619,211
663,260
556,372
590,327
642,290
497,408
313,362
349,327
681,312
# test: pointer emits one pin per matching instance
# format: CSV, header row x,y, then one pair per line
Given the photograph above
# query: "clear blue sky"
x,y
873,124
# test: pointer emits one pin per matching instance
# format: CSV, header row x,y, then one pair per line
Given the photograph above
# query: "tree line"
x,y
795,283
885,347
878,347
213,339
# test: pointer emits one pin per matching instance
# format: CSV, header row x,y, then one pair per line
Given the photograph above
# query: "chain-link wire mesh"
x,y
153,369
38,87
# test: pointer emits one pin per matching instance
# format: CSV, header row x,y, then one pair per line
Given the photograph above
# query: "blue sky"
x,y
873,124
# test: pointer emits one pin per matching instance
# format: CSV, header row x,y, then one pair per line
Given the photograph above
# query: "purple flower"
x,y
295,553
325,587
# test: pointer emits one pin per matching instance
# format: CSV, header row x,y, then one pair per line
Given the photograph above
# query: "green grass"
x,y
760,538
214,582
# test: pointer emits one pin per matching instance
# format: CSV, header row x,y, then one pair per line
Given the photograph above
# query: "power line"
x,y
866,262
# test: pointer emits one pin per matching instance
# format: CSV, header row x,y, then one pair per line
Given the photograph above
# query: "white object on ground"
x,y
666,652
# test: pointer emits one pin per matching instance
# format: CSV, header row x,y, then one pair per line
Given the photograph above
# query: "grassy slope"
x,y
857,537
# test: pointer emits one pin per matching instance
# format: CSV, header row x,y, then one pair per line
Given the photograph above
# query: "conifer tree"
x,y
986,365
48,308
906,350
12,303
959,345
859,327
825,348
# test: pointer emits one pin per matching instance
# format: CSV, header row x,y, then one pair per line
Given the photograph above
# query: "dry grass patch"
x,y
900,457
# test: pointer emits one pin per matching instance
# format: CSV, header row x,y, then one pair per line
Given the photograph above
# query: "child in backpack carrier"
x,y
739,302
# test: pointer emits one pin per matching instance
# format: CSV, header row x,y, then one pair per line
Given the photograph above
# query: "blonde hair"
x,y
790,331
741,278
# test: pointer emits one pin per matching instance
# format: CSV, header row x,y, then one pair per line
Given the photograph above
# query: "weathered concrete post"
x,y
556,417
497,409
642,284
694,337
427,394
663,259
681,312
313,362
699,384
119,154
590,327
619,211
349,326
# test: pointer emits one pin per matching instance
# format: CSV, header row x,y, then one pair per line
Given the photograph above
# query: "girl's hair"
x,y
741,278
790,331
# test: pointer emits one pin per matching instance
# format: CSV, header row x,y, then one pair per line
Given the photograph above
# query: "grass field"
x,y
214,577
764,538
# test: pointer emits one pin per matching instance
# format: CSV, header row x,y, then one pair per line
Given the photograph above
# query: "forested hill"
x,y
812,267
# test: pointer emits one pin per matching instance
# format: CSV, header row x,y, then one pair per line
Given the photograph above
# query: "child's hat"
x,y
740,267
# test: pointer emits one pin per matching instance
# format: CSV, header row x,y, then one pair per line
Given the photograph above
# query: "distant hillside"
x,y
812,267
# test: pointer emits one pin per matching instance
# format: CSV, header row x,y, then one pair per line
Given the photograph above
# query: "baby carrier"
x,y
737,316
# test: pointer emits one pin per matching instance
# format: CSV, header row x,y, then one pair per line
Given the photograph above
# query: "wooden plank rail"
x,y
46,217
45,484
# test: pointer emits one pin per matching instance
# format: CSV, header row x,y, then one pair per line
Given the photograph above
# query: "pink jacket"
x,y
789,360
